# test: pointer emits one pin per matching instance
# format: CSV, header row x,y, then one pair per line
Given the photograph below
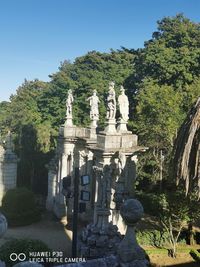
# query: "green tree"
x,y
163,87
32,134
4,123
172,55
158,116
175,215
92,71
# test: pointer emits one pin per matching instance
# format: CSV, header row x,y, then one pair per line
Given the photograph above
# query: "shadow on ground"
x,y
49,230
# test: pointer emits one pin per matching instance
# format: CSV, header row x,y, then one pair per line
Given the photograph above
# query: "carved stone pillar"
x,y
52,170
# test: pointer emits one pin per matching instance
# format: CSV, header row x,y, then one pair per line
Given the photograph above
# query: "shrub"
x,y
151,202
21,245
195,255
18,205
153,238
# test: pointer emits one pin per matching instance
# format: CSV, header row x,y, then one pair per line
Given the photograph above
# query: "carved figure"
x,y
94,101
123,105
111,102
69,102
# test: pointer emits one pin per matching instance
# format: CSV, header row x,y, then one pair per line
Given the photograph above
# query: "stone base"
x,y
93,124
111,126
122,127
69,131
108,141
116,140
69,122
97,242
91,133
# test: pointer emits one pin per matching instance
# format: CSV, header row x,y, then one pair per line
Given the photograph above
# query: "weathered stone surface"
x,y
91,240
131,211
100,242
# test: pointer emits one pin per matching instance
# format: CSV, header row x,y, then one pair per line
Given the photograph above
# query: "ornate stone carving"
x,y
100,242
111,110
123,105
101,238
124,111
69,101
120,174
94,108
111,102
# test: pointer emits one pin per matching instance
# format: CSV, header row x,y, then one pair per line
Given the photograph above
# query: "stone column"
x,y
51,184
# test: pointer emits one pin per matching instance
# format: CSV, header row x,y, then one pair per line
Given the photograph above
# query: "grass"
x,y
180,249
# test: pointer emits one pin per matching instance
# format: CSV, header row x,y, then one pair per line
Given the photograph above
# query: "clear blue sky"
x,y
36,35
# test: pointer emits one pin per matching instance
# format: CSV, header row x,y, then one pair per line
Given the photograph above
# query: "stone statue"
x,y
69,102
123,105
111,102
94,111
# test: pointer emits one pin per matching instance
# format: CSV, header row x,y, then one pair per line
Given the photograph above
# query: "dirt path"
x,y
49,230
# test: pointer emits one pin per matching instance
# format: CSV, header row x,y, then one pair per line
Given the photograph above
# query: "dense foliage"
x,y
19,207
174,215
154,238
162,81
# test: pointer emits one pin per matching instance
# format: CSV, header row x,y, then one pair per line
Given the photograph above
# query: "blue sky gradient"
x,y
36,35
